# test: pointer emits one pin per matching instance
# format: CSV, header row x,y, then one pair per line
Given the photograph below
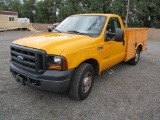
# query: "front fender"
x,y
76,57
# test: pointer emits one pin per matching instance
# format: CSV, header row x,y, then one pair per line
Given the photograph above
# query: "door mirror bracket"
x,y
109,36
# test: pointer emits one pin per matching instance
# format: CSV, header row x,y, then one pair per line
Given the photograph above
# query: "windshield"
x,y
82,24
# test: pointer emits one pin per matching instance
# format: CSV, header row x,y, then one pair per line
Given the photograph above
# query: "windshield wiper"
x,y
57,30
77,32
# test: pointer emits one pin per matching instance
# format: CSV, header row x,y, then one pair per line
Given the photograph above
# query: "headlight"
x,y
57,62
57,59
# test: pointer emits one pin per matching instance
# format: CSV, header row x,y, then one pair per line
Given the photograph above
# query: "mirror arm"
x,y
108,33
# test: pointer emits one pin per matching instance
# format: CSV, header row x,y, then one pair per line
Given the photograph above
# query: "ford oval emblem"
x,y
20,57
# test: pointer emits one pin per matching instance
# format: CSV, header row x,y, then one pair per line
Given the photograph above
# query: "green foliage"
x,y
143,13
15,6
28,9
3,5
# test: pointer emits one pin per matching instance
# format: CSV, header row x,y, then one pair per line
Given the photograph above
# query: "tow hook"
x,y
20,79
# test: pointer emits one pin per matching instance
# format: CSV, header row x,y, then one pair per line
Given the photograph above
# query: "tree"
x,y
119,7
3,5
143,13
28,9
15,6
47,11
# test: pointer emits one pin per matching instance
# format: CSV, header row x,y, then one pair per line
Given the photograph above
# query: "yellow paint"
x,y
78,48
135,37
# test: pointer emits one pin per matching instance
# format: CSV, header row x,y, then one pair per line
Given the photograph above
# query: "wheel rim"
x,y
137,56
86,83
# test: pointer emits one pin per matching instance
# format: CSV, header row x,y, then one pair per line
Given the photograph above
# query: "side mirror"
x,y
119,35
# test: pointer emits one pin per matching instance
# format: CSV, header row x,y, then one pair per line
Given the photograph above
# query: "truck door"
x,y
114,52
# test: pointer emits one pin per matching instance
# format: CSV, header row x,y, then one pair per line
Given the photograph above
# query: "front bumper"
x,y
50,80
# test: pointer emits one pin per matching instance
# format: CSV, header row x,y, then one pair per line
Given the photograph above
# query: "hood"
x,y
52,43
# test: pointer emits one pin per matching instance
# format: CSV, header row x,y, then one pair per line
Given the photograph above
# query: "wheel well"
x,y
95,65
140,46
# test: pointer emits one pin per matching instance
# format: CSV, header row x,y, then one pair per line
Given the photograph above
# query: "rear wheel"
x,y
82,81
135,60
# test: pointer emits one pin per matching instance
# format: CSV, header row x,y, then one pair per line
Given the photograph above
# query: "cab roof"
x,y
98,14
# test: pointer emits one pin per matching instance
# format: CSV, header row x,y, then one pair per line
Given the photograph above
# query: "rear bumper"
x,y
50,80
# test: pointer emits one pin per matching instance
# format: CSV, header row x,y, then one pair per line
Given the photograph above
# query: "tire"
x,y
49,30
136,58
82,81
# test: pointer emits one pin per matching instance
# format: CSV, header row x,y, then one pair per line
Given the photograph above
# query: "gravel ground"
x,y
131,93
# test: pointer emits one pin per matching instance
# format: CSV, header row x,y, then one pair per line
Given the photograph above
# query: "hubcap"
x,y
137,56
87,81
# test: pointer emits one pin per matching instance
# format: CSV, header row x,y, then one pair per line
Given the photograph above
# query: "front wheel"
x,y
135,60
82,81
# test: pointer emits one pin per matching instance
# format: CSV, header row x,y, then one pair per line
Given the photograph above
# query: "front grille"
x,y
30,59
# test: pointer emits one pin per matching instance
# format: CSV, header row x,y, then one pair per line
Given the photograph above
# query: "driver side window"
x,y
111,27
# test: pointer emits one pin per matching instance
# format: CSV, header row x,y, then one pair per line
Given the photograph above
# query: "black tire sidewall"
x,y
82,95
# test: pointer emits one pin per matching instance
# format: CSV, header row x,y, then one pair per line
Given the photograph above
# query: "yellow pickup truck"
x,y
80,47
